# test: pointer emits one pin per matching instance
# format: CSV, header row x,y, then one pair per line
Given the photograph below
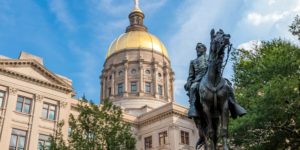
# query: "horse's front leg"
x,y
224,124
209,131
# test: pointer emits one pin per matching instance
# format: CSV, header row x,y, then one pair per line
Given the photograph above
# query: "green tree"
x,y
98,128
57,142
267,82
295,27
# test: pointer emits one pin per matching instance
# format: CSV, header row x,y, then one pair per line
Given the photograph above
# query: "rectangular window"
x,y
23,104
2,95
120,88
148,142
17,140
109,91
44,142
185,138
163,137
147,87
49,111
160,89
133,87
69,131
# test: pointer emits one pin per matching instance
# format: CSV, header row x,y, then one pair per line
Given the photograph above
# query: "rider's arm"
x,y
191,76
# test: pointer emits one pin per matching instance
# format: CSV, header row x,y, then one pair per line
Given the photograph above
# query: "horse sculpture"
x,y
213,91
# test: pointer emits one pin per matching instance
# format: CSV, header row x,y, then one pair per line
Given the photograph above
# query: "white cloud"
x,y
244,20
259,19
58,7
271,2
152,5
251,45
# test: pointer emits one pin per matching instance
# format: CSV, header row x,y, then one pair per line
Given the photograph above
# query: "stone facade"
x,y
32,100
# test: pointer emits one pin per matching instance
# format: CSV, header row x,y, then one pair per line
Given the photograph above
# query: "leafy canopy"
x,y
267,82
97,128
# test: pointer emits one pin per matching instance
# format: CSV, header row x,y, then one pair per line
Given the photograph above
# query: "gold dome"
x,y
137,40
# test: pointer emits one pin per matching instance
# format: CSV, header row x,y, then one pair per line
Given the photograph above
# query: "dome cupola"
x,y
137,36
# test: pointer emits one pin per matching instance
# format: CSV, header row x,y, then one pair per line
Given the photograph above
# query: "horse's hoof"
x,y
199,144
225,147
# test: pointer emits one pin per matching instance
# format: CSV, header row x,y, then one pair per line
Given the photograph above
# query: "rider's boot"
x,y
234,108
192,113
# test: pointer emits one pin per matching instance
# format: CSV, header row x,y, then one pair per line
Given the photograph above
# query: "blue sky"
x,y
73,36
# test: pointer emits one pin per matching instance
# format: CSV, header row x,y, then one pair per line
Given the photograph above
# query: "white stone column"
x,y
171,97
154,80
112,84
125,79
102,89
141,81
166,83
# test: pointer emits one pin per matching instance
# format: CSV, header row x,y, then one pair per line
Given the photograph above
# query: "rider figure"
x,y
197,70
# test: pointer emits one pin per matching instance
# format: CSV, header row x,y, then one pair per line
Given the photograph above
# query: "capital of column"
x,y
63,104
13,90
39,98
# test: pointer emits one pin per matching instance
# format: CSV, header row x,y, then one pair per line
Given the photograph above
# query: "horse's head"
x,y
219,41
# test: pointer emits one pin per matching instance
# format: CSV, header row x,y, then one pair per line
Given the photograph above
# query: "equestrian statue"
x,y
211,96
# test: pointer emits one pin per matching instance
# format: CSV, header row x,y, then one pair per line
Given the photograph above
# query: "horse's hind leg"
x,y
215,125
224,125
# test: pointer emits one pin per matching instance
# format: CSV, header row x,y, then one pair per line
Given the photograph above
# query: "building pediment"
x,y
33,71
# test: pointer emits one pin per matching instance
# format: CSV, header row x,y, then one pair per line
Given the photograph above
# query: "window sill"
x,y
52,121
184,144
22,113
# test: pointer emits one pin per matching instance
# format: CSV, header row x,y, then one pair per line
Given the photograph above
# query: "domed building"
x,y
137,76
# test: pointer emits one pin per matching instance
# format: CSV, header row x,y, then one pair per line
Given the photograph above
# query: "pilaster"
x,y
174,136
154,78
125,94
10,107
112,83
166,83
141,83
36,112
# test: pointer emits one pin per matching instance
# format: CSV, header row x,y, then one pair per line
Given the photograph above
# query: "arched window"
x,y
147,71
120,73
159,75
133,71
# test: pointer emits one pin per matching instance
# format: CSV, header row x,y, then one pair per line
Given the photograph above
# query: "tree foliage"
x,y
267,82
295,27
98,128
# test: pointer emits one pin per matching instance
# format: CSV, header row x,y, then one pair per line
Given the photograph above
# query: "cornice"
x,y
27,78
36,65
138,50
150,63
171,109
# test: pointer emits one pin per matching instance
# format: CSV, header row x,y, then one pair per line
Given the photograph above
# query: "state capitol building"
x,y
136,75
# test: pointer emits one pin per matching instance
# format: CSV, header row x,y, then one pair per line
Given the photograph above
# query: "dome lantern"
x,y
136,19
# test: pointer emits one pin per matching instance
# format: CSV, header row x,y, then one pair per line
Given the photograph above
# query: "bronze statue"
x,y
211,96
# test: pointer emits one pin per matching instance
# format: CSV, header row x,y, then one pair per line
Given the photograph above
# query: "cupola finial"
x,y
136,18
